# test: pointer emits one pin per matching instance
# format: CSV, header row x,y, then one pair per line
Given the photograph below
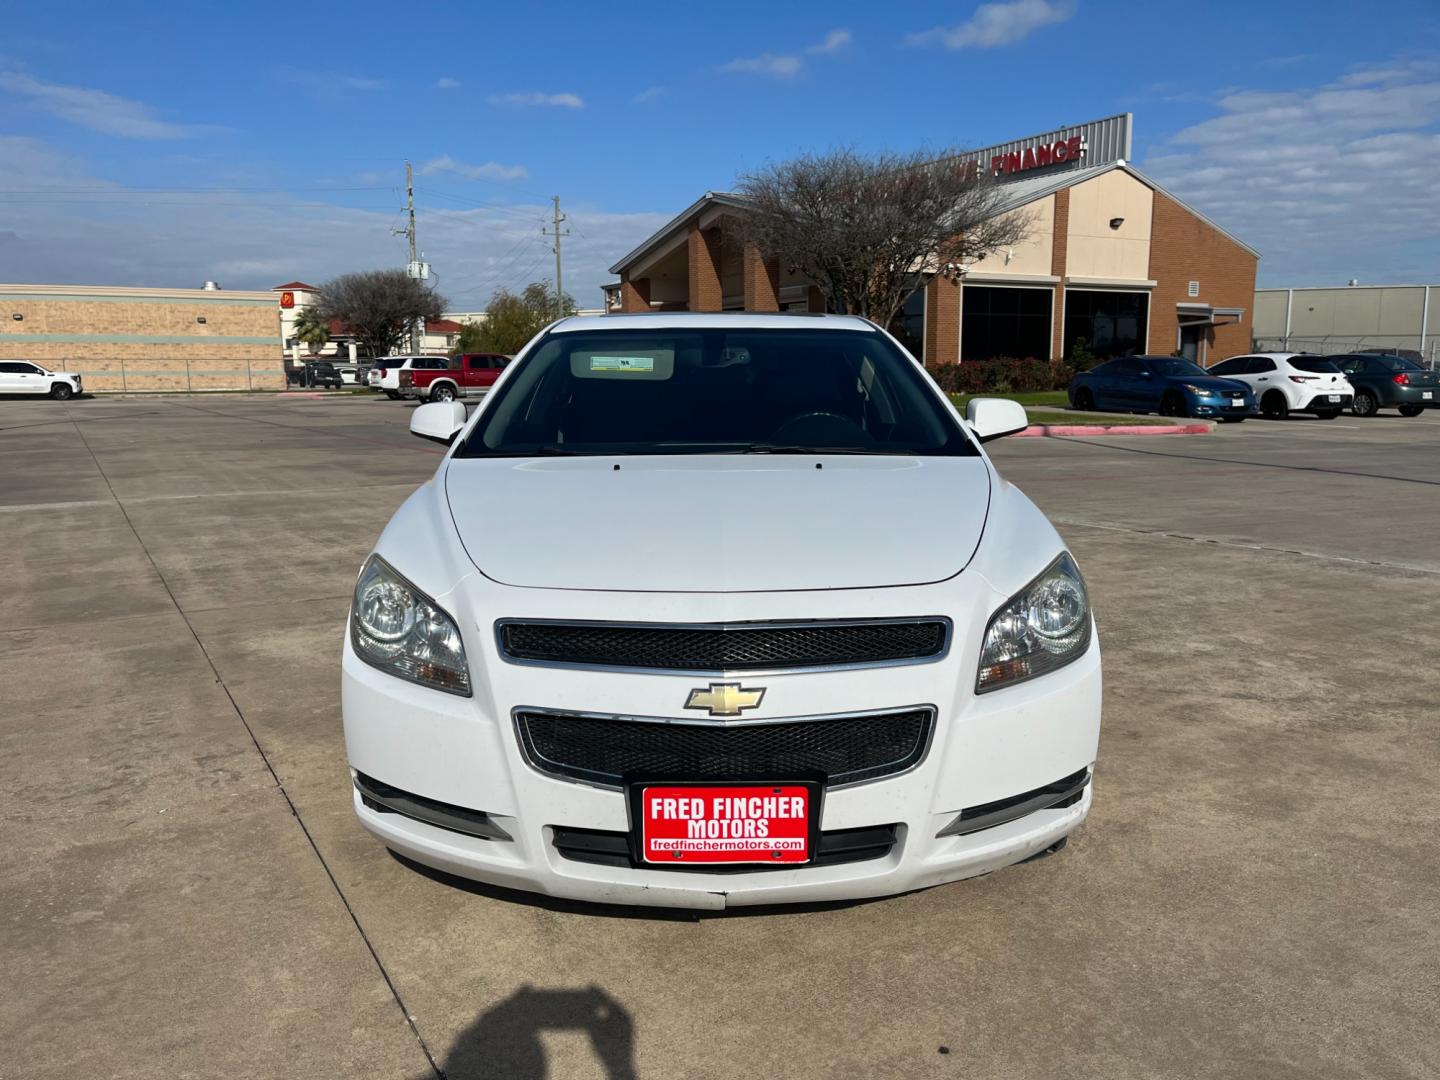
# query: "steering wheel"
x,y
818,414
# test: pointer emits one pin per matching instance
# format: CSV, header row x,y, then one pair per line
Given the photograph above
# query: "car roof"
x,y
698,320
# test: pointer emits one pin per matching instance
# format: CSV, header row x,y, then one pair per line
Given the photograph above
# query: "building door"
x,y
1192,343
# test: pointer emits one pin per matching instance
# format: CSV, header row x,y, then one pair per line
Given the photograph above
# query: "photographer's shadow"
x,y
504,1042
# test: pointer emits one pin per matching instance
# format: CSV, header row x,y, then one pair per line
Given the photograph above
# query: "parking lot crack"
x,y
1273,549
1253,464
269,766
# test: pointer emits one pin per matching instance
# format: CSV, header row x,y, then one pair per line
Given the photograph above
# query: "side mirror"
x,y
994,418
439,421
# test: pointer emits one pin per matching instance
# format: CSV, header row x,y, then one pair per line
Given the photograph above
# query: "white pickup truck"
x,y
23,377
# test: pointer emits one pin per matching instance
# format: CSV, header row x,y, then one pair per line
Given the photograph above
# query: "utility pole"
x,y
410,234
557,234
412,268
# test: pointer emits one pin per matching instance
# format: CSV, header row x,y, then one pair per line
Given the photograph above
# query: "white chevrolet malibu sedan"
x,y
710,610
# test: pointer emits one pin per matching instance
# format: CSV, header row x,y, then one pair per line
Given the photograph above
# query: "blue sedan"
x,y
1164,384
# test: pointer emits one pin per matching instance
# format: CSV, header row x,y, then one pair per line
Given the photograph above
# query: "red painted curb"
x,y
1042,430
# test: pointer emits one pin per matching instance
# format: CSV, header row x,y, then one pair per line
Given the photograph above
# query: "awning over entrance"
x,y
1205,315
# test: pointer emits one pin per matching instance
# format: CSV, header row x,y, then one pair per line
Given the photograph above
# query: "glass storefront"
x,y
909,325
1004,321
1112,323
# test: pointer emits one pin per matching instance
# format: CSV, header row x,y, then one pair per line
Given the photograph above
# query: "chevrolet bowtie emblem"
x,y
725,698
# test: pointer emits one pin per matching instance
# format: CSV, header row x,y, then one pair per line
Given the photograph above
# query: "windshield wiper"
x,y
781,448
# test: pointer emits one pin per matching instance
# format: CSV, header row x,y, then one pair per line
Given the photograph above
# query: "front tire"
x,y
62,391
1172,404
1411,410
444,392
1274,406
1084,399
1364,404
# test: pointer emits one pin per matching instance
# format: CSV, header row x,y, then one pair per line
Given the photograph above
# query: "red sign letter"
x,y
1073,146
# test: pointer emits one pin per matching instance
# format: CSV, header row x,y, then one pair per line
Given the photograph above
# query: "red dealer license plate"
x,y
752,823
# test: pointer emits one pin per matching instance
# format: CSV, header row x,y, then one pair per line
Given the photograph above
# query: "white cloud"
x,y
491,170
564,101
447,83
649,94
326,86
1327,183
97,110
787,65
781,67
833,42
77,227
997,24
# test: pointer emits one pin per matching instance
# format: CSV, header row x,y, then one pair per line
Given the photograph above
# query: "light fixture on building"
x,y
18,317
200,318
1116,222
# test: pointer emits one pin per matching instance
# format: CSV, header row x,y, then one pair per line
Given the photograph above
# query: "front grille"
x,y
720,647
604,750
613,849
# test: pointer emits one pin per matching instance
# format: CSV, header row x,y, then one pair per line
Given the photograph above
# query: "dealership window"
x,y
1004,321
909,325
1112,323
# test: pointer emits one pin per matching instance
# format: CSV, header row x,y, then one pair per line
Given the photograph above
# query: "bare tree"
x,y
377,305
870,230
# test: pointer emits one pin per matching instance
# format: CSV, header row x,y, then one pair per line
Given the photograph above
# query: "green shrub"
x,y
1003,375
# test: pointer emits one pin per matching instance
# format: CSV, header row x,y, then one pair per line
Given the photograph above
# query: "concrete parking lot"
x,y
186,892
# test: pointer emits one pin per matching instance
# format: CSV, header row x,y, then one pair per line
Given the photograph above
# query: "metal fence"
x,y
1336,344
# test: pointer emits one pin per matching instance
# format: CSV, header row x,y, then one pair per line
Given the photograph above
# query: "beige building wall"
x,y
1093,248
1031,257
146,339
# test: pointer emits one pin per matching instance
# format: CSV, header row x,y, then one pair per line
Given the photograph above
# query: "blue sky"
x,y
163,144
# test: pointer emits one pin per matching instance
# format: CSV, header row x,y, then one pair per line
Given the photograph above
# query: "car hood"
x,y
719,523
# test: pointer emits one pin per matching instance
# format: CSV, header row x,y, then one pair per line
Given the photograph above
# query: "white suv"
x,y
385,375
1290,382
23,377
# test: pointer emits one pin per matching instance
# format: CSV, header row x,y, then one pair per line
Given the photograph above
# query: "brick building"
x,y
146,339
1111,257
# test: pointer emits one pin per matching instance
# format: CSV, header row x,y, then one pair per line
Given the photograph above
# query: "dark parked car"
x,y
1389,382
320,373
1164,384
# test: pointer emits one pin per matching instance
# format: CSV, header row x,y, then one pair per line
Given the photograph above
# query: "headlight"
x,y
1201,391
398,629
1043,627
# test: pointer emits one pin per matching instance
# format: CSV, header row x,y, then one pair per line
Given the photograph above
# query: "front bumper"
x,y
465,753
1213,407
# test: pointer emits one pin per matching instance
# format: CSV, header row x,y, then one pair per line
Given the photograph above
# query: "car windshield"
x,y
1172,365
716,391
1316,365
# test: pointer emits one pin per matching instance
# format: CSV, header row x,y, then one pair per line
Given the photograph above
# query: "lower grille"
x,y
835,847
1064,792
384,799
722,647
604,750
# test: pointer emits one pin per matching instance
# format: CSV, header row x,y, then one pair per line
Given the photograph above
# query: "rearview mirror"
x,y
439,421
994,418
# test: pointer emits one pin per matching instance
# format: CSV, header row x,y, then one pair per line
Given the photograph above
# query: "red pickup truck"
x,y
468,375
